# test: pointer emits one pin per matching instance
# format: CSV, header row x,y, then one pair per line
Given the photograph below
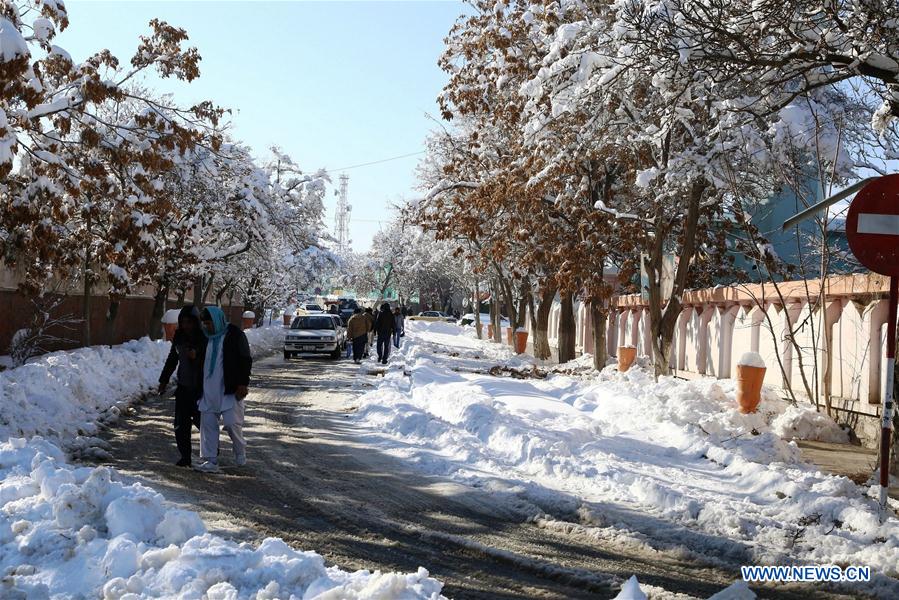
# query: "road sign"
x,y
872,228
872,225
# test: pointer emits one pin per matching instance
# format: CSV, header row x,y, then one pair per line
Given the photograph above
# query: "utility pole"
x,y
342,218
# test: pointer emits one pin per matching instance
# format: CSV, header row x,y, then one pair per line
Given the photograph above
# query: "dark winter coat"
x,y
237,361
400,322
385,324
190,371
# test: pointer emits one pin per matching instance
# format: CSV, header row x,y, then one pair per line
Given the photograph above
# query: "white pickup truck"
x,y
315,334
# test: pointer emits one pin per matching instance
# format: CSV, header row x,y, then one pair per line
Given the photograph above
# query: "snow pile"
x,y
442,327
264,340
631,590
671,463
752,359
78,532
63,394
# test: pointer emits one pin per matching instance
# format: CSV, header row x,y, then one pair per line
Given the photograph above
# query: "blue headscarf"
x,y
220,324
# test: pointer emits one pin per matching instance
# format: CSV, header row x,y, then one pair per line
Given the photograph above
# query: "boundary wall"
x,y
717,325
132,320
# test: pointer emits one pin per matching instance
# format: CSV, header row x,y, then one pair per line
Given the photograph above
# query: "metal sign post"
x,y
886,424
872,229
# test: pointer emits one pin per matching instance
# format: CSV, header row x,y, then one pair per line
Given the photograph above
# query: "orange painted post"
x,y
521,341
169,330
509,336
287,319
626,357
170,324
749,387
490,331
248,319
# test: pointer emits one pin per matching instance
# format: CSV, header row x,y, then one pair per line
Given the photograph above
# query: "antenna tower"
x,y
342,218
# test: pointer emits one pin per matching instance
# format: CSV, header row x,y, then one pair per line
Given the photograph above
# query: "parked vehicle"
x,y
432,315
310,309
468,319
346,307
315,334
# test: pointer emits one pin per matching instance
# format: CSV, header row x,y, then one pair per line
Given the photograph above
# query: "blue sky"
x,y
333,83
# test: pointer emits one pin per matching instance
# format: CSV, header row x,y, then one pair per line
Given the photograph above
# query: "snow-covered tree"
x,y
104,182
82,149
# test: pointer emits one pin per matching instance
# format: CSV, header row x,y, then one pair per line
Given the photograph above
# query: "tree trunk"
x,y
664,312
109,336
221,294
159,303
599,314
181,293
523,306
208,288
86,307
567,329
198,292
509,301
477,312
86,304
541,323
495,316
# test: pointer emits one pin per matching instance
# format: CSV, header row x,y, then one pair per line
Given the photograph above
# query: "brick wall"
x,y
131,322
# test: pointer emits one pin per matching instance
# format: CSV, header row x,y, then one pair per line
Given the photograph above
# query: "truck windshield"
x,y
313,322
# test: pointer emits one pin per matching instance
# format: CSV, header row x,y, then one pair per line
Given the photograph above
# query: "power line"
x,y
376,162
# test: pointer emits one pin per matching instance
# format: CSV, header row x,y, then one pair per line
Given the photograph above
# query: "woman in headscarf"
x,y
186,354
226,375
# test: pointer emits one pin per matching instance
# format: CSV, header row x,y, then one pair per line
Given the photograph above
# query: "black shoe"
x,y
184,462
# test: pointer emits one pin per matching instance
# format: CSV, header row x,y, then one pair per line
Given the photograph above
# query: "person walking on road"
x,y
370,319
400,326
385,326
188,345
357,331
226,375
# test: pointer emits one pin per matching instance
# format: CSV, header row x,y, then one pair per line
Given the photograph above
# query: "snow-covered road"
x,y
670,465
319,481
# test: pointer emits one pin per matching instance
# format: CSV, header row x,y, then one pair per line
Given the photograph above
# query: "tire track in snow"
x,y
313,481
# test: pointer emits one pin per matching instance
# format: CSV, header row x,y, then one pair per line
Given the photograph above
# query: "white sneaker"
x,y
240,460
207,467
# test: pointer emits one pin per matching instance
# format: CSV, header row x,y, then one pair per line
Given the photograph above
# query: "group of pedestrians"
x,y
213,362
365,328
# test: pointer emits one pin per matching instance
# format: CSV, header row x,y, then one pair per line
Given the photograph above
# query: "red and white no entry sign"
x,y
872,228
872,225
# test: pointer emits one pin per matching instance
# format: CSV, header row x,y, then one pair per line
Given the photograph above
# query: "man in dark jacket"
x,y
188,346
385,326
226,375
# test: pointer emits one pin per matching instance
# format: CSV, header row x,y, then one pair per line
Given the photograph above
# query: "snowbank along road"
x,y
313,481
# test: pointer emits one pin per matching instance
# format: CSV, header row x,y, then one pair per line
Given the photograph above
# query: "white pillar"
x,y
726,339
702,354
